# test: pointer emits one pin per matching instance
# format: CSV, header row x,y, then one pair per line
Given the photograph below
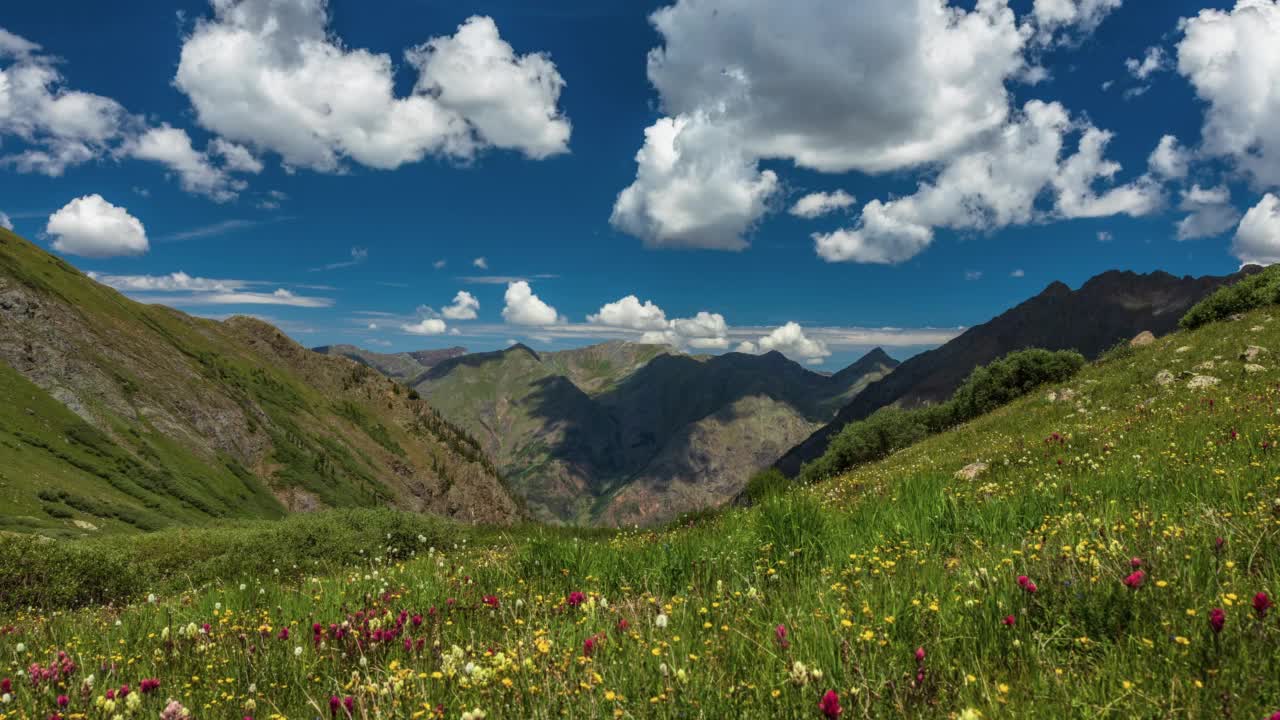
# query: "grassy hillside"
x,y
131,416
1107,562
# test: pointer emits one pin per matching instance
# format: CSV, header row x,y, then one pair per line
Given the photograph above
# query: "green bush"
x,y
766,483
1257,290
988,387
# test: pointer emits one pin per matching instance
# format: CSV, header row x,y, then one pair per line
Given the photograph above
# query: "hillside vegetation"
x,y
987,388
1108,308
1114,555
120,416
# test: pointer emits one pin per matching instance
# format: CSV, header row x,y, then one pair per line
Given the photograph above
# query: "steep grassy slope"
x,y
140,416
623,433
901,589
1107,309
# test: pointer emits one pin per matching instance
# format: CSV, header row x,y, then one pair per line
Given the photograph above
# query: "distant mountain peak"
x,y
521,347
1057,288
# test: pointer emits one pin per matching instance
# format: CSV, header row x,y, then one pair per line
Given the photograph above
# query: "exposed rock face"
x,y
1164,377
1252,353
1107,309
971,471
1202,381
1142,339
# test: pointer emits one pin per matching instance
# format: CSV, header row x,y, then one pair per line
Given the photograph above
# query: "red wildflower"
x,y
334,702
1261,604
63,701
780,635
589,646
1023,580
576,598
1217,618
1030,587
1010,620
417,619
284,633
148,685
6,686
830,705
1134,579
919,654
623,624
1135,562
491,601
349,703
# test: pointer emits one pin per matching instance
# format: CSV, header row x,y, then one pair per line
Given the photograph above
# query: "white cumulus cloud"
x,y
1232,59
271,74
1060,20
1211,212
172,148
820,203
1150,63
92,227
1169,159
465,306
524,308
1257,238
996,185
61,127
5,222
426,326
840,86
630,313
791,341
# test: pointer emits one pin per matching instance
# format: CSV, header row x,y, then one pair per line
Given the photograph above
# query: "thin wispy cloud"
x,y
358,256
279,297
223,227
503,279
182,290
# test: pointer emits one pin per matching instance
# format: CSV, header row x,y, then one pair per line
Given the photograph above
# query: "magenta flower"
x,y
1261,604
589,646
919,654
830,705
148,685
1010,620
1135,562
63,701
1134,579
491,601
576,598
780,635
1217,618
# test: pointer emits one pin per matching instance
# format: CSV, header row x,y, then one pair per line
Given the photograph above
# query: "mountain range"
x,y
132,416
121,415
625,433
1108,308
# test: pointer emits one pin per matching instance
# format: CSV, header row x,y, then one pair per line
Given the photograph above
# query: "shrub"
x,y
988,387
764,484
1257,290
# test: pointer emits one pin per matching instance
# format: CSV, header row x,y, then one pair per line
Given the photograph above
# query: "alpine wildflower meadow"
x,y
1116,557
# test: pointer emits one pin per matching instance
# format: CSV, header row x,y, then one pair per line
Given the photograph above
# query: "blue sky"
x,y
271,175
